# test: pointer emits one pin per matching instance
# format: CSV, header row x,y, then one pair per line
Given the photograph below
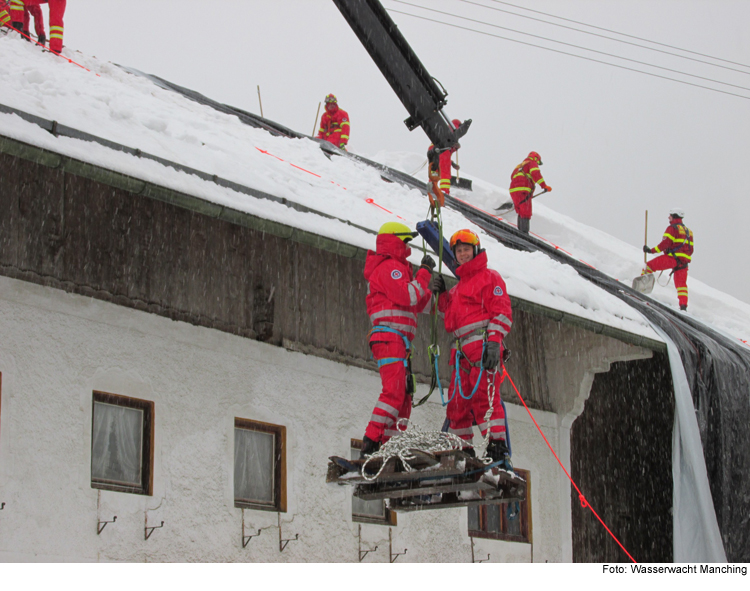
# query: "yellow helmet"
x,y
397,229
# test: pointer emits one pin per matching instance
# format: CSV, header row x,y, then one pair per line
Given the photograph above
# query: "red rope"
x,y
584,502
67,59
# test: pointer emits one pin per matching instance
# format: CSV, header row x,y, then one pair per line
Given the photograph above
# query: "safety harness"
x,y
410,382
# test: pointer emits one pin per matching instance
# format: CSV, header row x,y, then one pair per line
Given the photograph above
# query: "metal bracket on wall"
x,y
393,556
100,525
246,539
283,543
359,546
473,560
149,530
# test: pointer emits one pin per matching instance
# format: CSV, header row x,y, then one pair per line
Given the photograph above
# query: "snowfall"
x,y
106,101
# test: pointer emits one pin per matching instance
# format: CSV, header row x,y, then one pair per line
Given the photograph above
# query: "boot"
x,y
369,447
498,451
683,307
524,224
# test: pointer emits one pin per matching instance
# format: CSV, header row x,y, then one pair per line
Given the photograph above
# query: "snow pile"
x,y
132,111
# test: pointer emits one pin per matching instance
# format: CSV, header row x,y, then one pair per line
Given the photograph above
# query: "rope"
x,y
411,438
581,498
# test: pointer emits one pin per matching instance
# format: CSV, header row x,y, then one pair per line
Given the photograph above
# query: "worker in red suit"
x,y
56,14
676,251
439,164
523,180
394,298
477,311
334,124
5,13
36,12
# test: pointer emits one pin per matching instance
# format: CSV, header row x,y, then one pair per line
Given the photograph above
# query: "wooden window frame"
x,y
147,452
526,536
389,518
279,493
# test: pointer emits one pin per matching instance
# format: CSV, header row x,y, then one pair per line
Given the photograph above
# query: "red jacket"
x,y
522,182
445,167
394,297
334,127
677,242
479,302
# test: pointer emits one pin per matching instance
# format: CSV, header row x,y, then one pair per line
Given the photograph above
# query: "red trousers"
x,y
394,403
664,262
522,209
56,13
463,414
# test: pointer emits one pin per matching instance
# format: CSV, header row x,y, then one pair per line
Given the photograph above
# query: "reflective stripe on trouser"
x,y
56,26
462,414
393,403
665,262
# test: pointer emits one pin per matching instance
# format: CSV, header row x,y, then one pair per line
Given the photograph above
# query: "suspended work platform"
x,y
444,479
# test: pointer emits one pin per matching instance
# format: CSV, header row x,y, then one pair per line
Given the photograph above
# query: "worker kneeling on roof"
x,y
394,298
477,311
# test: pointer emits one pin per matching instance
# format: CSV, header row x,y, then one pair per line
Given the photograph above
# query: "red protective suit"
x,y
4,14
677,246
525,176
394,299
56,14
36,12
478,303
444,160
334,126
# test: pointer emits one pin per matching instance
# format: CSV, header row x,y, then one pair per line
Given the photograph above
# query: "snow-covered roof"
x,y
124,108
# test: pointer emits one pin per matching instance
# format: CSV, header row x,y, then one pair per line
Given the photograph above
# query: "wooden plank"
x,y
9,214
419,488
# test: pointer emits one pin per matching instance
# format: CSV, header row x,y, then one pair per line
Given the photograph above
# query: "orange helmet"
x,y
465,237
535,156
331,98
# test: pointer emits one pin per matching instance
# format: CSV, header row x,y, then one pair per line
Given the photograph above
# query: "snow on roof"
x,y
133,111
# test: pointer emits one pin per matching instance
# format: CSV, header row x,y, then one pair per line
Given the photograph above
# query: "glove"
x,y
437,284
428,263
42,39
547,188
456,166
491,356
646,249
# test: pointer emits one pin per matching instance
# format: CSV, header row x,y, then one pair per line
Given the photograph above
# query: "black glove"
x,y
42,39
428,263
646,249
437,284
491,356
456,166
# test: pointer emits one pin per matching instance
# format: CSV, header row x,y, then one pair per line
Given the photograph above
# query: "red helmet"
x,y
465,237
331,98
456,123
535,156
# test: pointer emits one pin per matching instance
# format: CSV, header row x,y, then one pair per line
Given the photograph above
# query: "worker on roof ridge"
x,y
677,249
524,178
334,124
394,298
439,164
477,310
56,14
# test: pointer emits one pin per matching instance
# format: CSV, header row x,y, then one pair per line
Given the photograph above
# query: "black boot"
x,y
369,447
524,224
499,452
683,307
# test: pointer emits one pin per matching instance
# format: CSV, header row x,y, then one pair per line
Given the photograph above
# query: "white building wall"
x,y
57,348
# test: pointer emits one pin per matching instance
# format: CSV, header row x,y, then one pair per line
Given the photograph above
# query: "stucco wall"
x,y
57,348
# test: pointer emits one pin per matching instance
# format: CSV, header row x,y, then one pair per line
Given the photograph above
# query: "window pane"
x,y
513,517
254,466
375,508
474,518
117,446
493,518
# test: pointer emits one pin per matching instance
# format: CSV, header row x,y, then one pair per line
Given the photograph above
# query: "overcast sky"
x,y
614,142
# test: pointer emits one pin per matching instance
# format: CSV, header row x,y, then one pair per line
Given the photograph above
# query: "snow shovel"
x,y
645,283
508,205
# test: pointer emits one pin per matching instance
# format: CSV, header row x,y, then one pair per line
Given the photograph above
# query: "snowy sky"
x,y
614,142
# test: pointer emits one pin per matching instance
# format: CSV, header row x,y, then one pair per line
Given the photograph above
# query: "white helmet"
x,y
677,212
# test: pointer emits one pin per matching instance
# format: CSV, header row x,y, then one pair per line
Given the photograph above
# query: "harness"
x,y
674,251
411,385
457,385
